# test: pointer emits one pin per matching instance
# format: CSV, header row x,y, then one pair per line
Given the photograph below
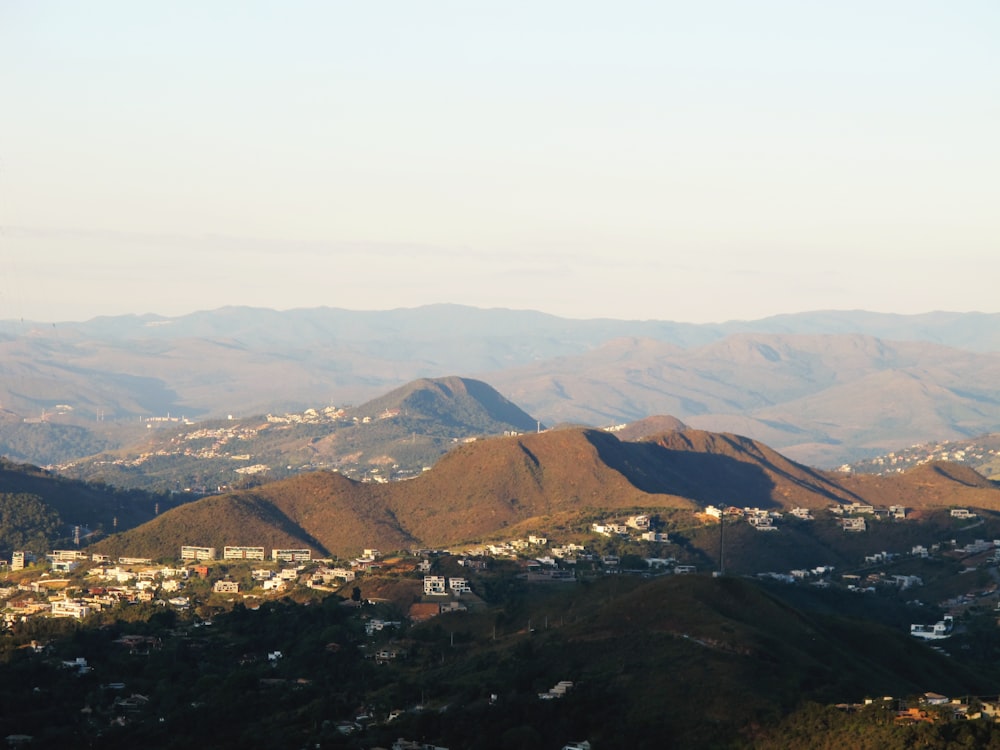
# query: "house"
x,y
853,524
914,716
459,586
655,536
802,514
937,631
608,529
961,513
558,691
639,523
762,523
226,587
435,586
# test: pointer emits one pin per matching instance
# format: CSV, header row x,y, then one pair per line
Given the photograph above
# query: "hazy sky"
x,y
689,161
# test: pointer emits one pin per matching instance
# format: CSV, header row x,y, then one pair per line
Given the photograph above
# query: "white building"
x,y
291,555
70,608
189,552
435,585
242,553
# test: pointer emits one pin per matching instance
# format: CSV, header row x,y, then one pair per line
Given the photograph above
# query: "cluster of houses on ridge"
x,y
137,579
931,707
852,515
976,454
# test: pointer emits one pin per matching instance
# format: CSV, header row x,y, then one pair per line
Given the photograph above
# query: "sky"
x,y
688,161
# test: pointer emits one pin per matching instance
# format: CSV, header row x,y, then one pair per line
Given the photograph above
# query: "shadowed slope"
x,y
481,488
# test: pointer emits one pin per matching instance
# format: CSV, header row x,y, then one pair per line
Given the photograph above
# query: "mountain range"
x,y
825,388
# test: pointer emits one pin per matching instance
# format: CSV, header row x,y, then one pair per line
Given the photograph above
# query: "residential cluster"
x,y
134,579
974,453
852,515
931,707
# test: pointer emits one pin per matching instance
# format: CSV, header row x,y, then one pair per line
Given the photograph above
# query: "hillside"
x,y
392,437
678,661
558,478
724,636
39,509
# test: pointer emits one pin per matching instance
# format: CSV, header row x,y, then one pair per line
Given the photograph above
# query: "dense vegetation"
x,y
46,443
39,509
685,661
26,522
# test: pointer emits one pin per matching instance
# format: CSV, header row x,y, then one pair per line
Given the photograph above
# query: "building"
x,y
655,536
226,587
242,553
435,586
640,522
941,629
291,555
197,553
70,608
459,586
67,555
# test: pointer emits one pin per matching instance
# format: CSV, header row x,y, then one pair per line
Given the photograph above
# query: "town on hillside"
x,y
388,594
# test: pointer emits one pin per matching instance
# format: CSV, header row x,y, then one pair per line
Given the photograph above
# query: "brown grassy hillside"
x,y
483,488
934,485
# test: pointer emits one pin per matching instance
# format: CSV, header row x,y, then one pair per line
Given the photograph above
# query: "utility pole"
x,y
722,543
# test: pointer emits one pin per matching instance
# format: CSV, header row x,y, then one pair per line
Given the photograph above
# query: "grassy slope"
x,y
483,488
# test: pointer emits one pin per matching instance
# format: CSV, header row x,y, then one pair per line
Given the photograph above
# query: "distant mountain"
x,y
543,480
823,400
811,384
449,403
394,436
